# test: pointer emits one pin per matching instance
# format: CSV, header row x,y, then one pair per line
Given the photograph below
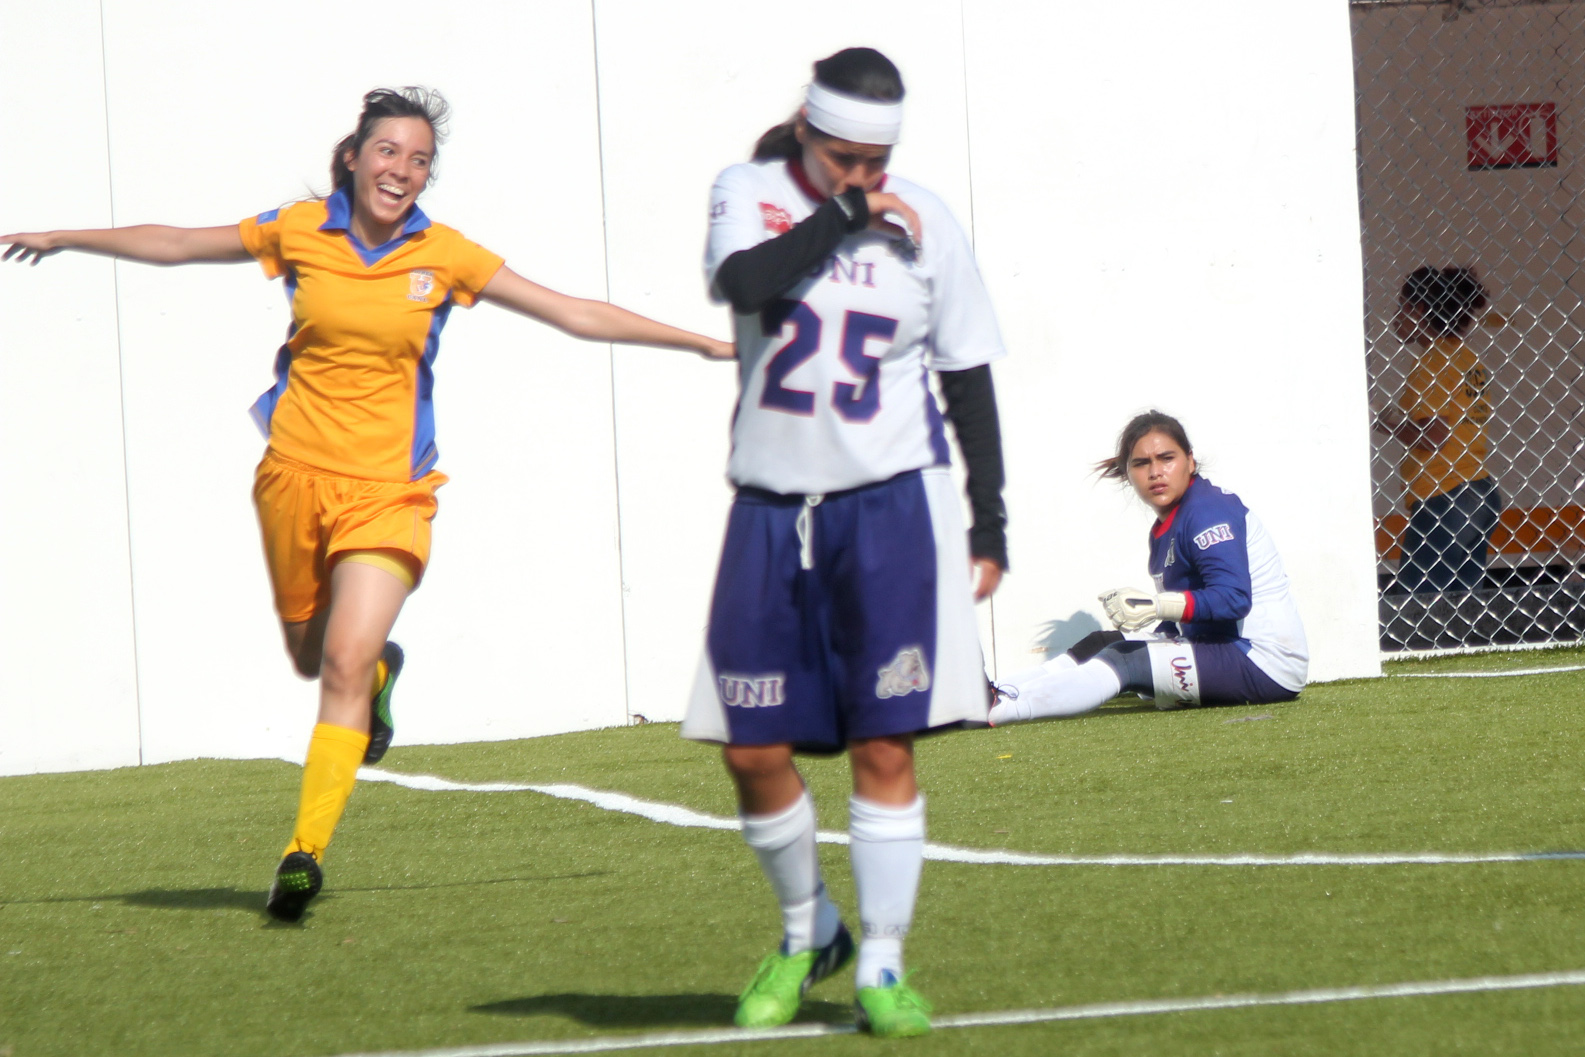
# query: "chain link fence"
x,y
1469,159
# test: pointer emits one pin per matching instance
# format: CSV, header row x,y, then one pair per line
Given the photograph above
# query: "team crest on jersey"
x,y
906,674
420,285
1212,536
752,691
1172,552
777,220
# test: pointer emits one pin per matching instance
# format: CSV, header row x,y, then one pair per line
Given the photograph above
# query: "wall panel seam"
x,y
616,450
121,386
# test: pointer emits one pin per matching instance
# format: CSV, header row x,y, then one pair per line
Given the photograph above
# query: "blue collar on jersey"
x,y
338,210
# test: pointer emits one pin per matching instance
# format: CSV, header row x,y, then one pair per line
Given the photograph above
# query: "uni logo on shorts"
x,y
752,691
905,675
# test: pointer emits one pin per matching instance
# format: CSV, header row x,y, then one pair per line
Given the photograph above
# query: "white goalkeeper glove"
x,y
1131,609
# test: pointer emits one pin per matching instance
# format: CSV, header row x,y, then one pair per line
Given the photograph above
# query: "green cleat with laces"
x,y
773,996
892,1011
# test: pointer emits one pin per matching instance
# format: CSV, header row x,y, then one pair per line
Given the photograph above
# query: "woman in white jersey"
x,y
1227,630
843,609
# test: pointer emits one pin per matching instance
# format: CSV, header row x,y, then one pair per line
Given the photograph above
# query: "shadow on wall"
x,y
1055,636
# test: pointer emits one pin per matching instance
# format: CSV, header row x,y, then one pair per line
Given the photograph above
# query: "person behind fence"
x,y
1227,629
346,489
1441,418
842,616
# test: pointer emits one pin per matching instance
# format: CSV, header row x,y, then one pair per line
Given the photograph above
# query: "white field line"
x,y
710,1036
675,815
1488,675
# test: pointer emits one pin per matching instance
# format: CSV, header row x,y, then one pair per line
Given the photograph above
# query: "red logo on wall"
x,y
777,220
1511,136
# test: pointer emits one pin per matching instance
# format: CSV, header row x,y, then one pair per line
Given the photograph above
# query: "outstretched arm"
x,y
149,243
595,320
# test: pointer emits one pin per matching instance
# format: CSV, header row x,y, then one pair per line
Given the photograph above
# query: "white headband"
x,y
855,120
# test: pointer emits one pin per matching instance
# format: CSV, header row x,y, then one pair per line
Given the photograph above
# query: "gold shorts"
x,y
308,518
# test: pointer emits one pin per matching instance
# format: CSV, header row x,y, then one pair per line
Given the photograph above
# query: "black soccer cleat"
x,y
297,880
381,725
832,957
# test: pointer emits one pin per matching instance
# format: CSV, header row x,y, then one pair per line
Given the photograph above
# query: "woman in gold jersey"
x,y
1441,419
345,492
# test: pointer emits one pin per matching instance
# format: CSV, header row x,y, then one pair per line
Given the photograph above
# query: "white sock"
x,y
888,849
785,845
1060,662
1063,691
1004,709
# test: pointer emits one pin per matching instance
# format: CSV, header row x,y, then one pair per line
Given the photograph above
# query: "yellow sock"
x,y
382,671
334,754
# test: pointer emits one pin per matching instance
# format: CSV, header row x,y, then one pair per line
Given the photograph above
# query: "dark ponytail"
x,y
380,104
860,72
779,141
1446,298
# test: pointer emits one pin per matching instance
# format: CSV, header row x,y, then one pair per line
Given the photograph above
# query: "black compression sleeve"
x,y
971,408
751,279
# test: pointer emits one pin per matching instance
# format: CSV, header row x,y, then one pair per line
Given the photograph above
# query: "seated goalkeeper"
x,y
1226,628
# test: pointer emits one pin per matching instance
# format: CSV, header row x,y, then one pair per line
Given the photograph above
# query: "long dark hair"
x,y
411,101
860,72
1115,467
1447,298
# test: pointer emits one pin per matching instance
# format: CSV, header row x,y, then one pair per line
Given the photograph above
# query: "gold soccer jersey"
x,y
1447,381
354,381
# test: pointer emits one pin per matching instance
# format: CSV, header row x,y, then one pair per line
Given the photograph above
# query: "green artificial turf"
x,y
131,921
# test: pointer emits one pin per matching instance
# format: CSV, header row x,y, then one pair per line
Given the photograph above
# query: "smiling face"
x,y
1160,471
834,165
388,173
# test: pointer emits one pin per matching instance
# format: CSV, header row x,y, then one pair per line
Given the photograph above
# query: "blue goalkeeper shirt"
x,y
1217,553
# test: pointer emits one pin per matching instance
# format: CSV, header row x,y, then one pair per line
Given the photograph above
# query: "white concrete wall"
x,y
1134,207
68,676
1161,193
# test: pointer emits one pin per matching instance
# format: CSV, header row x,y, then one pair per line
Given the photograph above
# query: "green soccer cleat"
x,y
381,726
773,996
297,880
893,1010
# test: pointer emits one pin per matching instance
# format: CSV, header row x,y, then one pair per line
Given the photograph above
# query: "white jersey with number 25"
x,y
835,388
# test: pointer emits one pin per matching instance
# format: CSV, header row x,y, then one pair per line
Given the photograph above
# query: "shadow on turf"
x,y
1119,709
648,1011
252,900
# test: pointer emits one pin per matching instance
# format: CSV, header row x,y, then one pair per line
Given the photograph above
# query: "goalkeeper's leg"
x,y
1175,673
1061,687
